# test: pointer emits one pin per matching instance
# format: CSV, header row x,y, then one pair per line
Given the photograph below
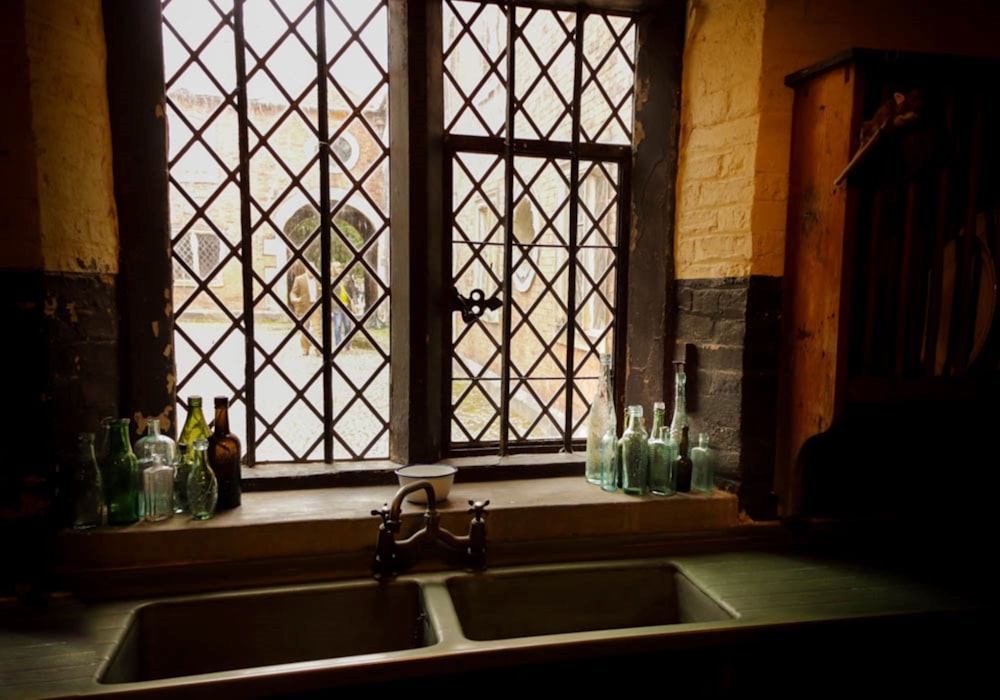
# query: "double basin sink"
x,y
412,617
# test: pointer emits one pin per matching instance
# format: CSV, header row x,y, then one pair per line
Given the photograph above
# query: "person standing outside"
x,y
301,296
341,302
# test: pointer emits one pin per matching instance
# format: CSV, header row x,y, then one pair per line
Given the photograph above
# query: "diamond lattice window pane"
x,y
286,234
606,103
475,55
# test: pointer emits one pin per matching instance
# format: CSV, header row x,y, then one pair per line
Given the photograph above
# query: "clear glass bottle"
x,y
121,476
600,420
662,463
158,489
610,458
702,465
202,486
155,442
195,428
635,454
224,455
684,466
680,418
659,418
88,491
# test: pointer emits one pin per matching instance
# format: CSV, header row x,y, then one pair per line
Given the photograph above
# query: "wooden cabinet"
x,y
890,335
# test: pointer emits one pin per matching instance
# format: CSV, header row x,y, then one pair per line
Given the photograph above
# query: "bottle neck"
x,y
85,449
119,438
683,442
606,385
659,415
221,420
199,451
195,426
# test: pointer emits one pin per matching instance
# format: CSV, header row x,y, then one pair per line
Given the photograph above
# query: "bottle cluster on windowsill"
x,y
117,483
660,461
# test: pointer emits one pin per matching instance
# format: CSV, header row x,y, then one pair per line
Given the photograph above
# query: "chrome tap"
x,y
391,555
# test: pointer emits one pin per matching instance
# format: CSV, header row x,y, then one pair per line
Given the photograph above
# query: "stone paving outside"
x,y
300,427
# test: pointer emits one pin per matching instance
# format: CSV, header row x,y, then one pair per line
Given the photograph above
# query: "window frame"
x,y
417,120
419,252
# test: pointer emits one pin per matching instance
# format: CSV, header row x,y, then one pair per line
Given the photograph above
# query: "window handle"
x,y
475,305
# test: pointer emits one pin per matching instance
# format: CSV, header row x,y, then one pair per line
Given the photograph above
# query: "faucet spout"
x,y
397,500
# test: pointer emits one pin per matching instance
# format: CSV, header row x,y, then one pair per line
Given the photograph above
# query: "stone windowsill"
x,y
308,534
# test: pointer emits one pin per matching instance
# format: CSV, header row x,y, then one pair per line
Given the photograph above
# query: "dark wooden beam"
x,y
145,280
419,255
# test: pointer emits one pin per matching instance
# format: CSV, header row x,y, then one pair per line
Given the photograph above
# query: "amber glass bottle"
x,y
684,465
224,453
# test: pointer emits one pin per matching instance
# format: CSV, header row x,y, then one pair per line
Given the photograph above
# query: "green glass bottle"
x,y
121,476
635,454
195,428
224,453
202,486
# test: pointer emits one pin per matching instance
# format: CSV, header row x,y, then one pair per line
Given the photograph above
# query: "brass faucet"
x,y
391,555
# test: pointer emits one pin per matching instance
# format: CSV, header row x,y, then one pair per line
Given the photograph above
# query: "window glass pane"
x,y
477,268
255,259
475,56
608,80
543,74
524,372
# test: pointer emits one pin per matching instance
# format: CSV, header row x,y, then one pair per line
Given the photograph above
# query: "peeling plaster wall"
x,y
58,259
72,135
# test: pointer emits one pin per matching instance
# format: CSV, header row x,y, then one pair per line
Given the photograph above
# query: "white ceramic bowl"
x,y
441,477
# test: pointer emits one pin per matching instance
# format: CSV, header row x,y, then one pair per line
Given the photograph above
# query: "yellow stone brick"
x,y
734,218
723,192
698,220
717,138
710,108
737,163
702,167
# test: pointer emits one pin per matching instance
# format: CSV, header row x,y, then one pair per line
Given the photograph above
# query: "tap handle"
x,y
385,513
477,509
